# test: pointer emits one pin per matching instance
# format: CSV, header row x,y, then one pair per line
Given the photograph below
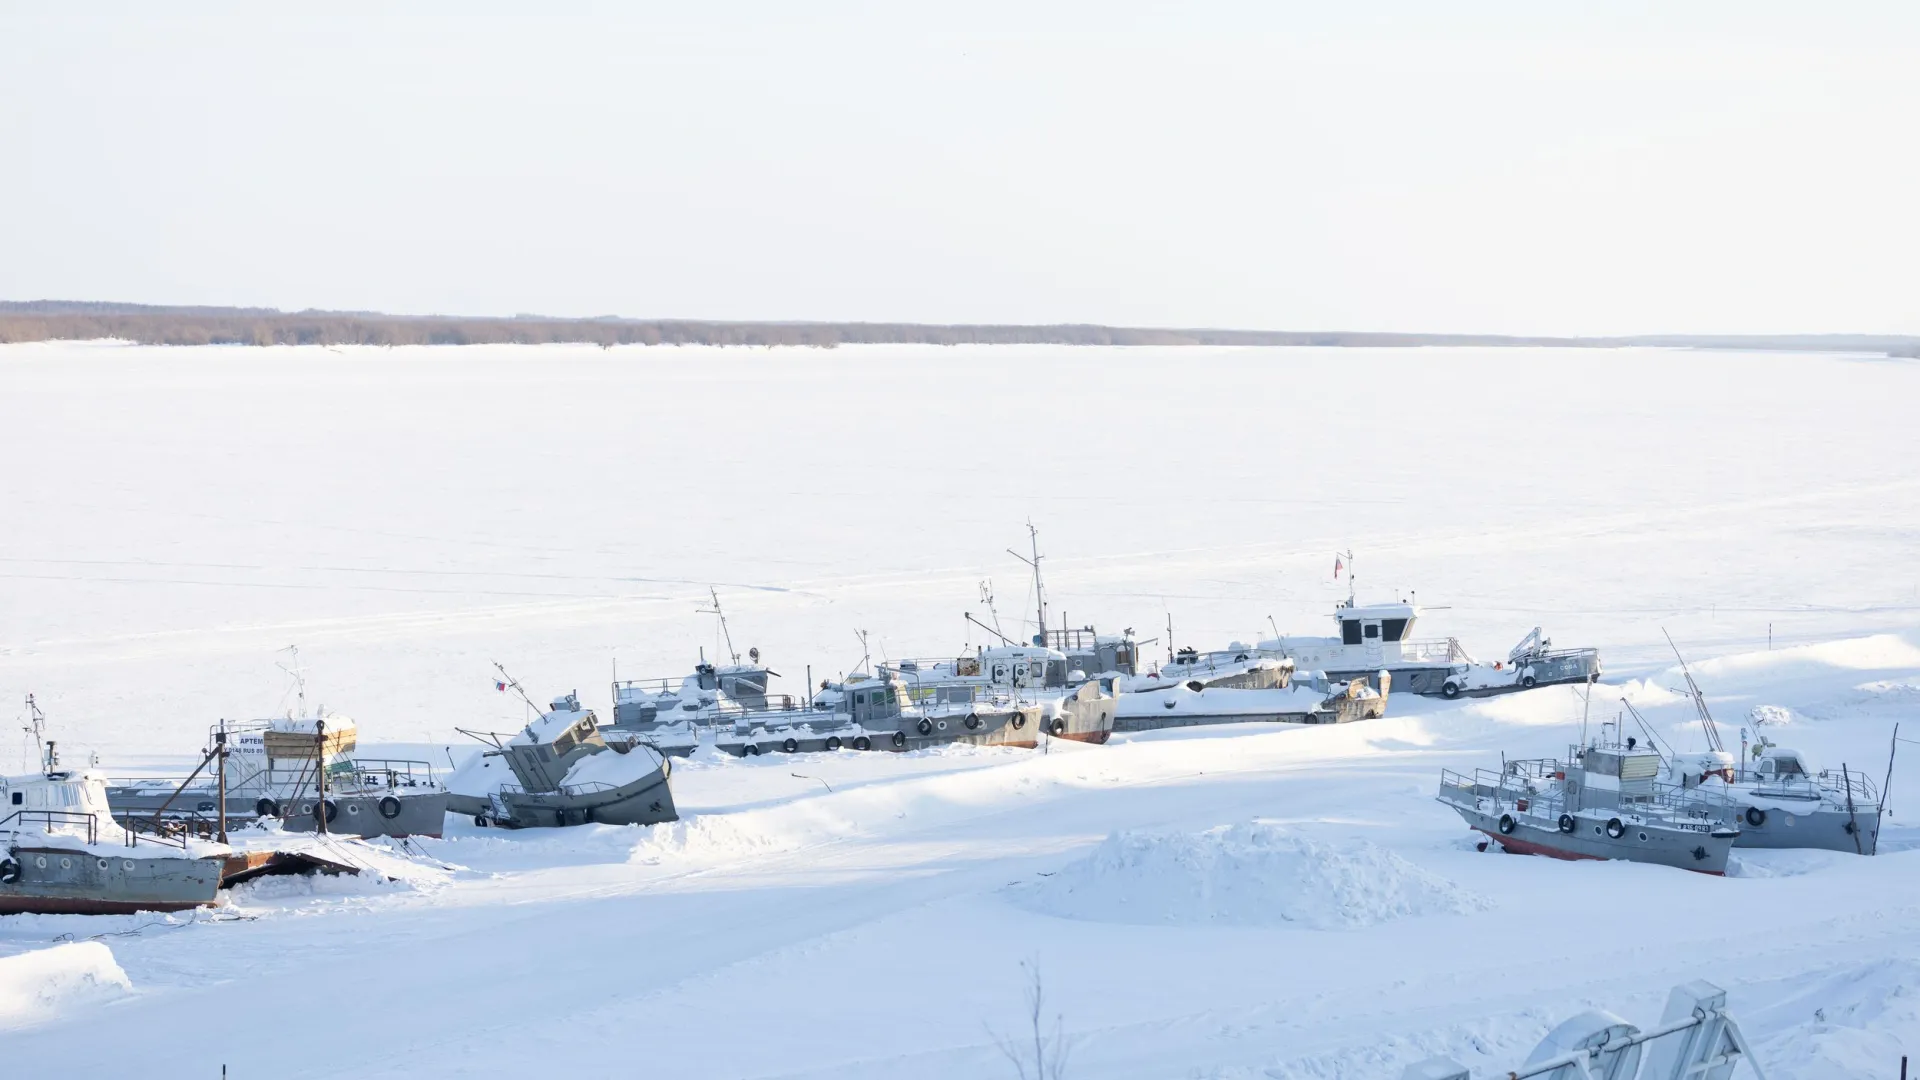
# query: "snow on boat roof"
x,y
550,726
612,768
303,725
1377,611
1021,652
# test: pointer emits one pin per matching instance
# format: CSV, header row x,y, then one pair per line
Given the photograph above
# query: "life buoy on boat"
x,y
389,807
1507,824
267,808
1616,828
1756,817
1566,823
926,727
973,722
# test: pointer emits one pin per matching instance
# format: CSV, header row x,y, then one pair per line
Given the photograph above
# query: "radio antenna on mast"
x,y
510,681
299,676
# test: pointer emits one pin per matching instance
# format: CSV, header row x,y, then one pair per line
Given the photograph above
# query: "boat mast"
x,y
724,631
43,747
1699,699
1039,590
299,676
509,680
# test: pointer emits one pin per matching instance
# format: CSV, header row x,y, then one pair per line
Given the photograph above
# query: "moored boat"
x,y
62,853
560,770
1603,801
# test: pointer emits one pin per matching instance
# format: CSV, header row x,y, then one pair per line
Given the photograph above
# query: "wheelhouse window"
x,y
1372,631
1393,629
1350,631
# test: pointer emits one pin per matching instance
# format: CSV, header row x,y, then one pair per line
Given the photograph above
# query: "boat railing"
x,y
1187,663
630,690
81,823
1837,786
1429,650
393,774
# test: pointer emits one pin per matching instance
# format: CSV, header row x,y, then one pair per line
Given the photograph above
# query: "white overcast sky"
x,y
1521,168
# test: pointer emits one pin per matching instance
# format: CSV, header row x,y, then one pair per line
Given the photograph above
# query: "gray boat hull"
x,y
54,880
1703,852
1826,829
647,801
418,812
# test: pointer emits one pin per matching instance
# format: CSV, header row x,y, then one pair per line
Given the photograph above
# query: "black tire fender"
x,y
9,871
791,746
1450,690
926,727
1507,824
1616,828
1019,720
1755,816
329,808
899,738
750,750
480,821
861,742
973,722
1567,823
1060,726
389,807
1527,682
833,742
267,808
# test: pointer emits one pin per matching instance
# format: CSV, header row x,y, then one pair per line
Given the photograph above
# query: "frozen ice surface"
x,y
174,517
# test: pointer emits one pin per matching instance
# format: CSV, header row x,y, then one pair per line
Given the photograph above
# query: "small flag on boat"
x,y
500,686
1337,567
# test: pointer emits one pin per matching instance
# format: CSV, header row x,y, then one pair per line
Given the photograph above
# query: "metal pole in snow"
x,y
220,744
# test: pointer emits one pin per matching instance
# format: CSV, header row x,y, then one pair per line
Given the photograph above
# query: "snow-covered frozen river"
x,y
174,518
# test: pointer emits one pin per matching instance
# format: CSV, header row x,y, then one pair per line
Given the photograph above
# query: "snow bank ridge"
x,y
35,985
1251,874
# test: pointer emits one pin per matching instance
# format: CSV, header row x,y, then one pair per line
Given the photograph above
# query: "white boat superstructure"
x,y
1380,637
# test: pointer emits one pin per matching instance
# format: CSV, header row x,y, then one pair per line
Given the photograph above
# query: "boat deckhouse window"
x,y
1393,629
19,797
1372,630
1350,631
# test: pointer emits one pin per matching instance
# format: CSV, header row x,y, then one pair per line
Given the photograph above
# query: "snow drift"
x,y
1251,874
35,985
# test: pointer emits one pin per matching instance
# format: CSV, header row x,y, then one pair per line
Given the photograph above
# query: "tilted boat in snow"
x,y
560,770
1603,801
1771,794
62,853
1378,637
1777,801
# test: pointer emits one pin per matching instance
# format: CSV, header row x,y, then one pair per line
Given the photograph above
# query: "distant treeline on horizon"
x,y
64,320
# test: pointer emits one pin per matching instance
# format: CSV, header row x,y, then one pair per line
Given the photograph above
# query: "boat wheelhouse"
x,y
560,770
1073,705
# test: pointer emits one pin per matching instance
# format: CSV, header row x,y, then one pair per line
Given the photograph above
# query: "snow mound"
x,y
1852,1021
35,985
1251,874
1769,715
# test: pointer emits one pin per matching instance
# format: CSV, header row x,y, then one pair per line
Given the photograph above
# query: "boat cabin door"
x,y
1370,638
872,706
